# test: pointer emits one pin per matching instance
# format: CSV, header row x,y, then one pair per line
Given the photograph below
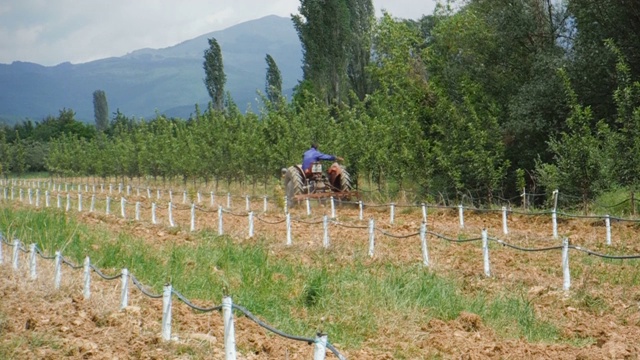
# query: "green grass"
x,y
350,301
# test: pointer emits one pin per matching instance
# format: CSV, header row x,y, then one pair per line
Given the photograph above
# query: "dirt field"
x,y
599,316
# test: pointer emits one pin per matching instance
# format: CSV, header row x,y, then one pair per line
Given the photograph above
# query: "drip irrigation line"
x,y
559,247
622,219
235,214
612,206
581,216
70,264
206,210
397,236
530,213
606,256
270,222
443,237
193,306
350,226
140,286
248,314
42,255
106,277
309,222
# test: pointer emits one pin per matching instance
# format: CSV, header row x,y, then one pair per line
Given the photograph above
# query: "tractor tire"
x,y
293,184
343,181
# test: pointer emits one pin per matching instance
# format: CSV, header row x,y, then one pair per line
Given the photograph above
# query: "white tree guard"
x,y
566,274
68,206
108,206
320,347
124,293
57,276
247,203
153,214
360,211
554,220
250,224
485,253
86,289
166,312
228,200
505,228
424,212
192,226
123,213
16,248
423,244
92,208
325,228
461,215
392,213
137,210
229,330
265,204
79,202
333,208
308,203
170,211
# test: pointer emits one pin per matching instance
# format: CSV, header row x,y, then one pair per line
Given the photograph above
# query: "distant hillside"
x,y
147,81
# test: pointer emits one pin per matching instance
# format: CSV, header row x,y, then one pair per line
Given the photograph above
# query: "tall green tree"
x,y
215,78
627,100
333,35
362,22
582,155
273,86
101,110
592,69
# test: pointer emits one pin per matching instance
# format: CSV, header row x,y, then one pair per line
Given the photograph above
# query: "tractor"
x,y
315,184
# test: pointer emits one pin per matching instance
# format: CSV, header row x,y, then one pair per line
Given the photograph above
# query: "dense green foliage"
x,y
101,110
273,82
215,78
481,99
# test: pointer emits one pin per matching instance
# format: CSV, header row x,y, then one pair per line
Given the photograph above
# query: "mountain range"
x,y
148,81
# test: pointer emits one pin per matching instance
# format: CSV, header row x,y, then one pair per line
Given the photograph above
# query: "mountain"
x,y
146,81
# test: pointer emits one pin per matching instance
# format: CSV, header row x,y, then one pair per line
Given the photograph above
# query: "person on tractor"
x,y
313,155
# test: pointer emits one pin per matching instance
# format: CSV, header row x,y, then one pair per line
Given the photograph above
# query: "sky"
x,y
49,32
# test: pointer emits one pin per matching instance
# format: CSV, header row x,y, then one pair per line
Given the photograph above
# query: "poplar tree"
x,y
273,87
215,77
101,110
328,31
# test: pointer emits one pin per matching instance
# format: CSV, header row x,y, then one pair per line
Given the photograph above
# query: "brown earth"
x,y
599,318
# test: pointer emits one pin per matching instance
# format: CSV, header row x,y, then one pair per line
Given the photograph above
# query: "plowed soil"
x,y
599,318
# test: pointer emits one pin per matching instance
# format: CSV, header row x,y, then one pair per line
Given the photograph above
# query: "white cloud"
x,y
49,32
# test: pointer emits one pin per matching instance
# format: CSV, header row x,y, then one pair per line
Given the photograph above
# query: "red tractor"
x,y
300,185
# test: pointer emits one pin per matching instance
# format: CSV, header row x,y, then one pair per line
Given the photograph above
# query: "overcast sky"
x,y
49,32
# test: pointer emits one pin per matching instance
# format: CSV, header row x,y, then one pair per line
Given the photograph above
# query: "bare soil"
x,y
599,318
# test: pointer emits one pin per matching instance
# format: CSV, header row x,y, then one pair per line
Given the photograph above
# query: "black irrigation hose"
x,y
103,275
270,328
397,236
350,226
71,265
530,213
234,214
606,256
193,306
270,222
42,255
581,216
139,285
451,239
206,210
526,249
311,222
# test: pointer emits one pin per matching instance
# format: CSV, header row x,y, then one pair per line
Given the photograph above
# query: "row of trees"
x,y
483,97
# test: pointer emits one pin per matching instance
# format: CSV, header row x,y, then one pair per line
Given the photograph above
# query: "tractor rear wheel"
x,y
343,181
293,184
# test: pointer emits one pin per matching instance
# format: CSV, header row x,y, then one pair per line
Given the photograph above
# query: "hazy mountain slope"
x,y
150,80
